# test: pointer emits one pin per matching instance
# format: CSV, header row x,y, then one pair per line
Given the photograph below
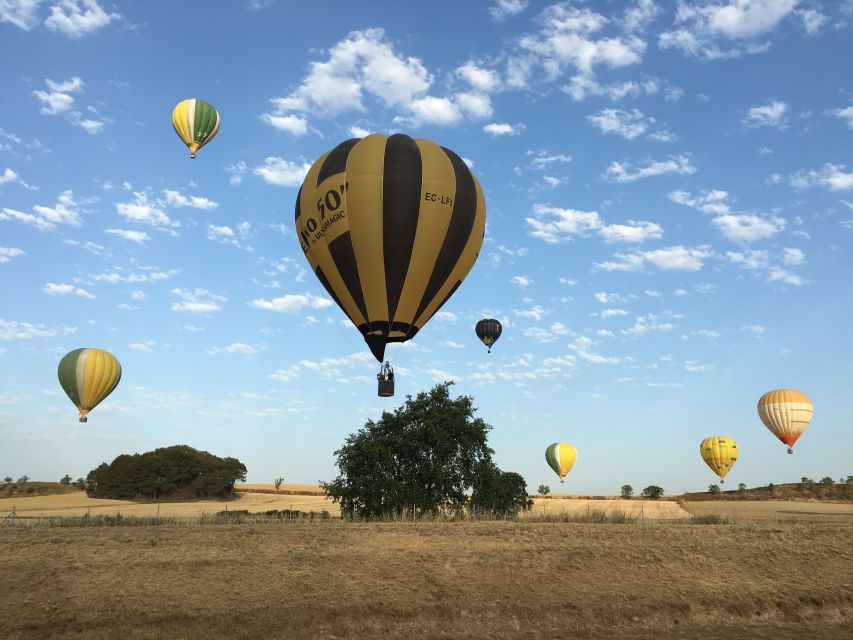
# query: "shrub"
x,y
827,481
741,488
277,483
627,491
65,480
713,488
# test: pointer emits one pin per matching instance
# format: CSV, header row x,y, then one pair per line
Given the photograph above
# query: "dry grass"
x,y
333,579
772,511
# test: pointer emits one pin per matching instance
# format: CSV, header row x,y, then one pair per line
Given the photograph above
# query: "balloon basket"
x,y
84,419
386,388
790,451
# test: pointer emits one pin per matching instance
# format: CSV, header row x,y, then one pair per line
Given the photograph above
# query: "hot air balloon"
x,y
488,331
390,226
719,453
196,122
561,457
88,376
787,413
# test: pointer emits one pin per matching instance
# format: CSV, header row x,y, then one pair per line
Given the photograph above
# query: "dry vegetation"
x,y
332,579
775,511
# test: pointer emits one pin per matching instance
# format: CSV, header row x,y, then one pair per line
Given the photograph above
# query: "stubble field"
x,y
333,579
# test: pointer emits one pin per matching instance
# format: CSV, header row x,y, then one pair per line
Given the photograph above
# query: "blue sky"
x,y
669,228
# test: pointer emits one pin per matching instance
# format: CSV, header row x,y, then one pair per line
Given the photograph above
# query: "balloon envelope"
x,y
488,331
786,413
390,226
719,453
88,376
561,457
196,122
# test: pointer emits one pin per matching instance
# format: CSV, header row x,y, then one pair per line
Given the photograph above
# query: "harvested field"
x,y
77,504
772,511
647,509
333,579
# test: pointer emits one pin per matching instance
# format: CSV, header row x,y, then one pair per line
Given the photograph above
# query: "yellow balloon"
x,y
787,413
720,453
561,457
88,376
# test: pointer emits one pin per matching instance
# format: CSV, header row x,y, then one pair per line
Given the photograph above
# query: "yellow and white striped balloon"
x,y
787,413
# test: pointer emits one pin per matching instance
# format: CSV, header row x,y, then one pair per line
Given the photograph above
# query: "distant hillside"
x,y
810,490
27,489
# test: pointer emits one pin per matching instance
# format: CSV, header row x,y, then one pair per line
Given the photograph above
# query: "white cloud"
x,y
636,18
542,159
613,313
677,258
713,201
503,8
176,199
631,232
793,256
281,172
724,29
147,346
771,114
141,211
543,336
647,324
10,176
845,114
236,348
292,303
433,110
58,100
76,18
296,125
365,66
679,164
693,366
833,176
606,298
504,129
286,375
571,40
21,13
777,274
521,281
14,330
47,218
750,259
757,329
358,132
128,234
479,78
66,289
7,253
628,124
197,301
748,228
813,20
537,312
226,235
237,172
149,275
561,225
553,181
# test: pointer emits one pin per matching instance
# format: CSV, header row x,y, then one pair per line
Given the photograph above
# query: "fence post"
x,y
642,514
158,513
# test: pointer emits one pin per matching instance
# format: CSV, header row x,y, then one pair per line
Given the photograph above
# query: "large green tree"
x,y
421,457
178,471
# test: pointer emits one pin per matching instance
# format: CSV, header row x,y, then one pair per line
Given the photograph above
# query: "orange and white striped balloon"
x,y
787,413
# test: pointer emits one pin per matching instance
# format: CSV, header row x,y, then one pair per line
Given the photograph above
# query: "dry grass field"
x,y
502,580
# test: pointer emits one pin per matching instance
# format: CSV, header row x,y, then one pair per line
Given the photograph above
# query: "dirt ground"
x,y
503,580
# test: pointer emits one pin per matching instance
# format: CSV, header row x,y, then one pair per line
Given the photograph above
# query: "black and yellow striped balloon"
x,y
390,226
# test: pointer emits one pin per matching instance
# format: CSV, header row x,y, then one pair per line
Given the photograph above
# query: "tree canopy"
x,y
422,458
178,472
